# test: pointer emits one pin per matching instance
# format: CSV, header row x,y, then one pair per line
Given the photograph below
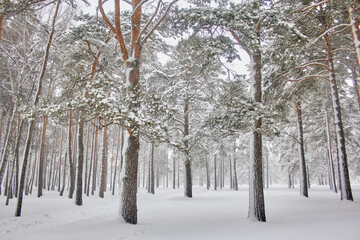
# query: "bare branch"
x,y
287,134
105,17
150,21
313,63
158,23
328,31
118,32
138,6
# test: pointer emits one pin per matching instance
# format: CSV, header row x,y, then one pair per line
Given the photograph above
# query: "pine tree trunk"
x,y
230,175
71,163
208,184
60,157
302,163
104,161
329,150
24,168
151,185
93,185
52,162
79,184
215,180
112,164
345,179
42,157
188,173
174,171
256,192
64,177
117,157
129,182
17,149
267,170
235,184
87,157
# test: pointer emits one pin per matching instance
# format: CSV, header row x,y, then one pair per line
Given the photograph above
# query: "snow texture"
x,y
167,215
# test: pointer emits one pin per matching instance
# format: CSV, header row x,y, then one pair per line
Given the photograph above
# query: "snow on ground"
x,y
167,215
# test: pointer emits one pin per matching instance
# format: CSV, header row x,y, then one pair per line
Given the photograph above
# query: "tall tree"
x,y
132,61
32,121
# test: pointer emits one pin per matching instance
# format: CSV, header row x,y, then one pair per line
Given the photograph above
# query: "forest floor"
x,y
167,215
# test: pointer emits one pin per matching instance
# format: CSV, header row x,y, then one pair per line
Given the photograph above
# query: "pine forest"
x,y
179,119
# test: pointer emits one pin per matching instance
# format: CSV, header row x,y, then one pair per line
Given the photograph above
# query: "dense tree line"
x,y
91,103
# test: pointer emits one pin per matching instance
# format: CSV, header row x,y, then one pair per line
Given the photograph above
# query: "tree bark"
x,y
215,180
345,179
52,161
87,157
208,184
71,163
188,173
104,164
174,171
329,150
120,132
79,184
60,157
129,182
256,192
151,185
42,157
235,183
64,177
302,163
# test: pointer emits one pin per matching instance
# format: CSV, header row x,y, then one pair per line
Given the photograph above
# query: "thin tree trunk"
x,y
64,177
302,163
71,163
144,172
208,184
331,161
42,157
9,193
79,184
151,188
112,164
188,173
178,175
60,157
235,184
32,122
120,132
345,179
93,185
17,149
104,161
215,180
87,157
52,162
230,174
174,171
